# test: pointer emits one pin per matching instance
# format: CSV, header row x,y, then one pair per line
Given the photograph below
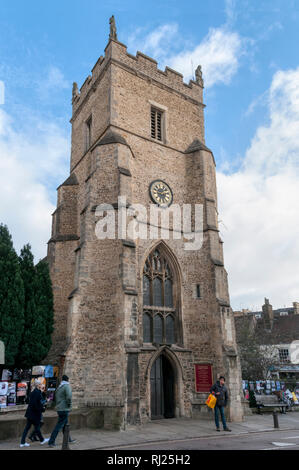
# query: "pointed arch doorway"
x,y
162,383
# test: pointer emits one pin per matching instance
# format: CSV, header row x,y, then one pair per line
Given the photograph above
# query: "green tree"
x,y
11,297
38,328
252,399
256,358
29,350
44,304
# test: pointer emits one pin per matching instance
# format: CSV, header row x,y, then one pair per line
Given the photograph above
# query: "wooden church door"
x,y
162,389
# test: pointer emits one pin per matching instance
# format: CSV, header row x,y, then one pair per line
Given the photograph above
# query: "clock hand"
x,y
162,191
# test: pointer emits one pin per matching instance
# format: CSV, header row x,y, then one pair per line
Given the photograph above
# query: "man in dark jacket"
x,y
220,392
34,415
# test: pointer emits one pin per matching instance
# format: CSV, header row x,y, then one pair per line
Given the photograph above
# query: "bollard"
x,y
275,419
66,435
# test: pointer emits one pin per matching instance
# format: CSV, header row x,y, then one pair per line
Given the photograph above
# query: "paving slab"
x,y
156,431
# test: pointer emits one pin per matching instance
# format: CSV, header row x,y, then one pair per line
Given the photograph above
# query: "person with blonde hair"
x,y
34,415
33,436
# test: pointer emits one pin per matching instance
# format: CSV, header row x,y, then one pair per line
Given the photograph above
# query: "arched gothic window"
x,y
159,315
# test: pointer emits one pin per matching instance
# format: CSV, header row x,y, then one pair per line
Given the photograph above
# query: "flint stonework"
x,y
97,283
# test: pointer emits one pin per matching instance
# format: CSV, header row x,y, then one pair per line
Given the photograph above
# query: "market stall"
x,y
16,384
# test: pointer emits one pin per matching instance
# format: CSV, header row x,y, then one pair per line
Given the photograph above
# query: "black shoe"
x,y
52,445
228,430
72,441
218,429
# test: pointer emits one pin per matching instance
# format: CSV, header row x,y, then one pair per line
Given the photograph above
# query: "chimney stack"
x,y
296,308
268,314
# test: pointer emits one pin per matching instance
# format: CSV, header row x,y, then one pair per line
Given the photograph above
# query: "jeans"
x,y
36,429
33,435
220,409
62,421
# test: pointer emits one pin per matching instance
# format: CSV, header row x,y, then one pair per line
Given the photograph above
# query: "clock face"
x,y
160,193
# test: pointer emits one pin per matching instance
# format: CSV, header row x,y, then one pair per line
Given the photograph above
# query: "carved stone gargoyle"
x,y
198,76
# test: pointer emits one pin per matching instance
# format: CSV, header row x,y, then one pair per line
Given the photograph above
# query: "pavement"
x,y
161,431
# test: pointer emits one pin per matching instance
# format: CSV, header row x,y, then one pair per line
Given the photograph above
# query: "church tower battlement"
x,y
141,65
141,324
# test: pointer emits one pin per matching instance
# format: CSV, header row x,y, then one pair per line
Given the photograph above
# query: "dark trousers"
x,y
33,436
220,409
36,430
62,421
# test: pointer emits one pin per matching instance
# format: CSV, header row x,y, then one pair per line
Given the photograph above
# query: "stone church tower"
x,y
142,325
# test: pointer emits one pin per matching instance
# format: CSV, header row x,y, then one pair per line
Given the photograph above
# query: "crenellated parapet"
x,y
140,301
141,65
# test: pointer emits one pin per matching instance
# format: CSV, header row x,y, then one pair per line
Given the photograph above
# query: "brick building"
x,y
277,331
135,318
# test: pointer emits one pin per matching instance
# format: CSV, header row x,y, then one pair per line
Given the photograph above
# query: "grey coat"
x,y
63,397
223,397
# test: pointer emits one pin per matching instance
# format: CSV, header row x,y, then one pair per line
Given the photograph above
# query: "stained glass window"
x,y
168,293
147,328
157,292
158,329
170,329
146,291
158,298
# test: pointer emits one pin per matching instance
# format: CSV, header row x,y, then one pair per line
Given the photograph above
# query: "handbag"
x,y
211,401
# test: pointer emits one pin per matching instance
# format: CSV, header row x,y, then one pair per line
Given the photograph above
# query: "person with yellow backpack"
x,y
219,390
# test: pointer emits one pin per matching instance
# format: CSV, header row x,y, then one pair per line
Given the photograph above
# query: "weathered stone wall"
x,y
98,283
97,106
61,258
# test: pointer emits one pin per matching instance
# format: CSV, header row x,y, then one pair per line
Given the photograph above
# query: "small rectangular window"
x,y
156,124
198,296
284,355
88,133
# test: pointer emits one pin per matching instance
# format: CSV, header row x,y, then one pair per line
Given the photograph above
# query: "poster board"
x,y
203,377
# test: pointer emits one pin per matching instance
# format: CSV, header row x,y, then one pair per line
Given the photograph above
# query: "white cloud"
x,y
218,54
259,205
230,6
157,43
259,101
55,78
32,161
51,82
267,31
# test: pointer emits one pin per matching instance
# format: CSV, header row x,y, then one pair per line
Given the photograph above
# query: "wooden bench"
x,y
269,402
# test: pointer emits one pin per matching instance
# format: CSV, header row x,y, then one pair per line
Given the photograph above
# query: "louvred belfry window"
x,y
156,124
159,314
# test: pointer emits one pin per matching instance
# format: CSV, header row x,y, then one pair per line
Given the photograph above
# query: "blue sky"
x,y
249,55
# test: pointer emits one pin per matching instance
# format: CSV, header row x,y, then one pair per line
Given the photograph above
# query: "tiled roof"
x,y
285,329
